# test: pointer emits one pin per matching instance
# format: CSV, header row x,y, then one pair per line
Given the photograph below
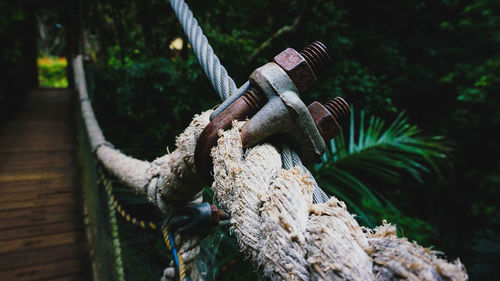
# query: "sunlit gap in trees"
x,y
52,71
176,44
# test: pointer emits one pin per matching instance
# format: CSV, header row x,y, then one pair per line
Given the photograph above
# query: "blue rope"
x,y
174,250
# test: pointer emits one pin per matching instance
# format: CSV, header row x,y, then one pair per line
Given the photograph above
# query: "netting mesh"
x,y
119,250
97,216
122,250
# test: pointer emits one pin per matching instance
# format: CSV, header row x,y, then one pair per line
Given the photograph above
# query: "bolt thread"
x,y
316,55
339,108
254,99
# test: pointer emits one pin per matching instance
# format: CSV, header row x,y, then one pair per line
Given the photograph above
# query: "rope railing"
x,y
222,81
275,221
282,219
134,172
104,228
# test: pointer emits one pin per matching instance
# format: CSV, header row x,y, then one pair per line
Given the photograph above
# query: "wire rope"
x,y
224,84
215,71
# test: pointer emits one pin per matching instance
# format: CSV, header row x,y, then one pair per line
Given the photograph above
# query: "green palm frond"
x,y
380,152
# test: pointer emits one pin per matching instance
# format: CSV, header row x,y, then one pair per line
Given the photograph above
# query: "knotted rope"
x,y
275,220
289,237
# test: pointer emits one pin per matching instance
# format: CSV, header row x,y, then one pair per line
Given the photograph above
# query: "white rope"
x,y
290,238
95,133
147,177
276,221
272,212
164,179
168,177
291,159
223,83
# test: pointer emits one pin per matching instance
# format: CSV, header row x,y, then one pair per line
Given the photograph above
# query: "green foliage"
x,y
154,100
381,154
413,228
52,72
17,55
485,266
220,254
10,13
222,258
437,61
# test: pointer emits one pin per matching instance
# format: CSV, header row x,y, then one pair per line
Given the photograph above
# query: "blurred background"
x,y
421,150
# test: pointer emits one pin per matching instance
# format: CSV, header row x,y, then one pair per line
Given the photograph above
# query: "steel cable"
x,y
223,83
218,77
215,71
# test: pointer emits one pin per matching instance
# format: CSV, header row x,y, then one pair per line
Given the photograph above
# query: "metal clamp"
x,y
271,101
284,114
195,219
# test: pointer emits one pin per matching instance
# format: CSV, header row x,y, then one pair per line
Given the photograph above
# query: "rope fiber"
x,y
283,221
223,83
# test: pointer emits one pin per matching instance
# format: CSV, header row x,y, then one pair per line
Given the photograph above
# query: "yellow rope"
x,y
145,225
182,266
119,209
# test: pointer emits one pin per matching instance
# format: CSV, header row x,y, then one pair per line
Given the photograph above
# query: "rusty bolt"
x,y
243,108
302,67
215,215
329,117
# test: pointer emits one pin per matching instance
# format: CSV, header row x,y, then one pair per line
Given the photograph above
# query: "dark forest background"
x,y
437,61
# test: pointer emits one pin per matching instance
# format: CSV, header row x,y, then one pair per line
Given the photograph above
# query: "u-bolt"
x,y
302,68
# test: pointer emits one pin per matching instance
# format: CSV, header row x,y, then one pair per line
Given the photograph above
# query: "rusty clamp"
x,y
283,114
271,102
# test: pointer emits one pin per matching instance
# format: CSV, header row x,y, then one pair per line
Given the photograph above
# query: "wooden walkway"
x,y
42,235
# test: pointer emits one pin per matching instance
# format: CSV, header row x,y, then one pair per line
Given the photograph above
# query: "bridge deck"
x,y
42,235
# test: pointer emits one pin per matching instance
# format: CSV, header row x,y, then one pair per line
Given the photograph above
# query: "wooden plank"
x,y
39,230
65,180
41,134
43,241
77,276
60,186
29,196
20,161
44,271
37,143
41,224
67,198
60,216
41,256
38,211
10,177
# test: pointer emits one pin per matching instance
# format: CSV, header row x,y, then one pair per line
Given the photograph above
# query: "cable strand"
x,y
223,83
215,71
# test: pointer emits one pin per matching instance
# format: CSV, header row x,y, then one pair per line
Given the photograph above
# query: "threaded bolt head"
x,y
302,67
339,108
329,117
316,55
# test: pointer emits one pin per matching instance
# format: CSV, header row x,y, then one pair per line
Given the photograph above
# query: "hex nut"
x,y
214,215
324,121
297,68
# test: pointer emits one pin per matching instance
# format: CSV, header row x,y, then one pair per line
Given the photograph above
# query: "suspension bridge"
x,y
42,233
283,222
